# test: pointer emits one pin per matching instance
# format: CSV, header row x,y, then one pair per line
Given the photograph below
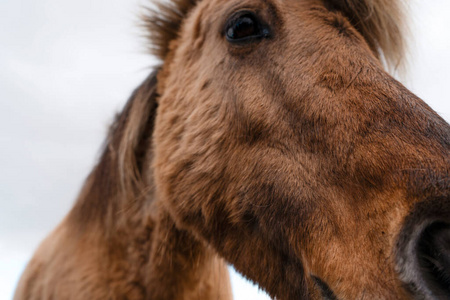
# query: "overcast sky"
x,y
67,66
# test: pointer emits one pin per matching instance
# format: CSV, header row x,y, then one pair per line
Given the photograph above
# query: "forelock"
x,y
163,22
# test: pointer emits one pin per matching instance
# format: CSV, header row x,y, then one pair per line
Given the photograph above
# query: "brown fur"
x,y
297,159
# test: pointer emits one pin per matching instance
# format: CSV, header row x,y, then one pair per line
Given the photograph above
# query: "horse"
x,y
271,138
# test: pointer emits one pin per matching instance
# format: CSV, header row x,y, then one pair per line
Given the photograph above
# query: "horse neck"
x,y
182,267
144,243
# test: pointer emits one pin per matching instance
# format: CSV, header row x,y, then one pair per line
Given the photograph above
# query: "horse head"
x,y
281,141
272,138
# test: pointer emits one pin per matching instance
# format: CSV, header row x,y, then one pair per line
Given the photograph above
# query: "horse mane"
x,y
380,22
116,183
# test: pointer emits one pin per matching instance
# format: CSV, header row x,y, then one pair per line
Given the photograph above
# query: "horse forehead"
x,y
235,4
267,3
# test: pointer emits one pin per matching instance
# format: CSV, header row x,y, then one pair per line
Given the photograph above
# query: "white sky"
x,y
67,66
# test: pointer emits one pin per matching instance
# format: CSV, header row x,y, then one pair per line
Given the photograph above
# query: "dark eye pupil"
x,y
241,28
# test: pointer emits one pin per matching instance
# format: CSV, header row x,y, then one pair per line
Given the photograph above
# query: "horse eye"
x,y
245,27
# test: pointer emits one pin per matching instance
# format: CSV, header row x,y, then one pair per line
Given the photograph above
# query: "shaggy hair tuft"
x,y
163,22
382,23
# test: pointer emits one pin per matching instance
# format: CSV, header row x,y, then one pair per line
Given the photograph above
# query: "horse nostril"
x,y
433,255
